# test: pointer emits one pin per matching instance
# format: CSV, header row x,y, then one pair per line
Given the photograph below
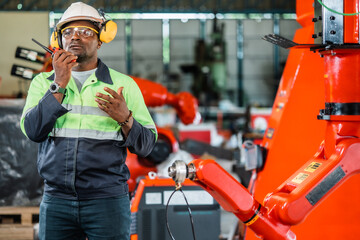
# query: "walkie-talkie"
x,y
48,49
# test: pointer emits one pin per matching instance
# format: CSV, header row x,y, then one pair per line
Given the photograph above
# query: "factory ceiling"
x,y
168,6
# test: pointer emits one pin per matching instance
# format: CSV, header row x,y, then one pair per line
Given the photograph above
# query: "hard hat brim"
x,y
60,24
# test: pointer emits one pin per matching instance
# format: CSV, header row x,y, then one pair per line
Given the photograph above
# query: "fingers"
x,y
67,58
105,101
114,94
113,104
119,91
102,104
112,100
57,53
103,96
64,56
103,107
73,63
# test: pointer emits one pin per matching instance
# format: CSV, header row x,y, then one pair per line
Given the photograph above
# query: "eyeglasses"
x,y
82,31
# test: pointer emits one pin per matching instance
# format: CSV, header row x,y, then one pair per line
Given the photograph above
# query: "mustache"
x,y
75,43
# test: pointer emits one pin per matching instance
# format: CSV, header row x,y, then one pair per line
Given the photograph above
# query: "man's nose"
x,y
75,35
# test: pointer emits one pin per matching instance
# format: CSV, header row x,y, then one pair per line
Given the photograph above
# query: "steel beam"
x,y
202,6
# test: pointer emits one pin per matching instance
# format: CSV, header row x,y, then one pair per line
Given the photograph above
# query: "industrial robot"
x,y
310,152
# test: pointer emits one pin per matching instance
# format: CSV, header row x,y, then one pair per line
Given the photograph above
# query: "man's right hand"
x,y
63,62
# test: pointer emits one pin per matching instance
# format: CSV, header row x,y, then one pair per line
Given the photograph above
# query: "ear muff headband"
x,y
107,31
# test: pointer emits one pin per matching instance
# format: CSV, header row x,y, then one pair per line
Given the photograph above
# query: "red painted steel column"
x,y
342,77
351,23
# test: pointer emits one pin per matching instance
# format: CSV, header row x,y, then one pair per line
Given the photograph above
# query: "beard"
x,y
84,56
81,58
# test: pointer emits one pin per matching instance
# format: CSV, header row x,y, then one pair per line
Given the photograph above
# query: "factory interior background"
x,y
158,46
213,50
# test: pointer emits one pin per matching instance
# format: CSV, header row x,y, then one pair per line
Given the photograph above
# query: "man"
x,y
85,116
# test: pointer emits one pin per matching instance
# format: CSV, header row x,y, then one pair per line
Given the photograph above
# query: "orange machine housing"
x,y
294,133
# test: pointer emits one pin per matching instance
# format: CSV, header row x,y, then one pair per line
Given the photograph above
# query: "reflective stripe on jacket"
x,y
82,151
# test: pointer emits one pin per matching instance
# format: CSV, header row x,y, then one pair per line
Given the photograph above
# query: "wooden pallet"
x,y
11,228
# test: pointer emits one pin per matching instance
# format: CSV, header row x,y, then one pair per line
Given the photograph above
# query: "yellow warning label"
x,y
270,133
300,178
252,220
313,167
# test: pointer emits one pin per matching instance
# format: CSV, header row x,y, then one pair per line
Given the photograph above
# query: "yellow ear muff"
x,y
54,40
108,31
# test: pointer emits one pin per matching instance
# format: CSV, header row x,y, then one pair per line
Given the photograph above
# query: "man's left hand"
x,y
113,104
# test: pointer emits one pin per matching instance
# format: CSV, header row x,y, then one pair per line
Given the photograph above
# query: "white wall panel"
x,y
258,63
17,29
146,43
183,38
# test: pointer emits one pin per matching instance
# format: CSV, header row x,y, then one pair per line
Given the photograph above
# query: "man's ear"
x,y
99,44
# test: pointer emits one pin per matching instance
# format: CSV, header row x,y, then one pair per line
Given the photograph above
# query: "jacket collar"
x,y
102,73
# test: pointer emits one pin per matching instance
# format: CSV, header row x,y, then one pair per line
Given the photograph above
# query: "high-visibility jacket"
x,y
82,151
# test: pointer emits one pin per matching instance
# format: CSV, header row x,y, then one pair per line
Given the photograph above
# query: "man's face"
x,y
83,47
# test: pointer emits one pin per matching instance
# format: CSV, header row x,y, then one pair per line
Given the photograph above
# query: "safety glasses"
x,y
81,31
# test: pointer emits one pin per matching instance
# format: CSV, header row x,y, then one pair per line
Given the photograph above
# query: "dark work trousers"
x,y
99,219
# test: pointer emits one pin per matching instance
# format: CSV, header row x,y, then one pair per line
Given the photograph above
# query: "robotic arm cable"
x,y
189,210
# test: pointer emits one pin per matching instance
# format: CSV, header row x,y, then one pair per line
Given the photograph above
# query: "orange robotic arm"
x,y
155,94
232,196
290,203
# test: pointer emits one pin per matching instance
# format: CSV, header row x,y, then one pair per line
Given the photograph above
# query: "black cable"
x,y
189,210
190,215
166,215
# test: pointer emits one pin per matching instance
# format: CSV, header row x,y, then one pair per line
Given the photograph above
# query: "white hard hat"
x,y
79,11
